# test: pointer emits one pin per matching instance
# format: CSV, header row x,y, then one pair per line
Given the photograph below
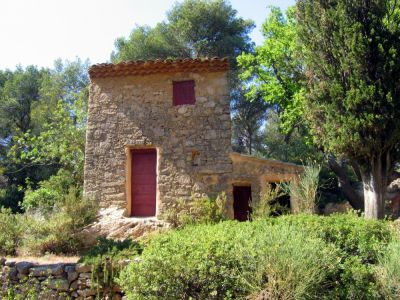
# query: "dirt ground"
x,y
46,259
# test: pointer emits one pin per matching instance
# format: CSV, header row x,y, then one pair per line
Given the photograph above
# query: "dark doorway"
x,y
241,202
144,164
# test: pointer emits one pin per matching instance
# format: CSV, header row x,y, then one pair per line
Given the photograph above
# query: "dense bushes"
x,y
10,231
231,260
289,257
51,230
204,210
388,271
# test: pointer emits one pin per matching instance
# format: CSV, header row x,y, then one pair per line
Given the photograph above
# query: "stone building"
x,y
160,130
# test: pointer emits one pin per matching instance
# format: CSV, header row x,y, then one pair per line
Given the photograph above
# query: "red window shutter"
x,y
183,92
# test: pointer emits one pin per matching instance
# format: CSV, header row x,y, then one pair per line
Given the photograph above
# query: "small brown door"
x,y
144,163
241,202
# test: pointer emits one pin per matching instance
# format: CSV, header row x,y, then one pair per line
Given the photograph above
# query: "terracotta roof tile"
x,y
140,67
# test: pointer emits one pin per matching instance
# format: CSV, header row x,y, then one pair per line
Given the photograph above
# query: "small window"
x,y
183,92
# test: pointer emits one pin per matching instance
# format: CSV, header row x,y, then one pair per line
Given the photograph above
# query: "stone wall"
x,y
193,142
21,280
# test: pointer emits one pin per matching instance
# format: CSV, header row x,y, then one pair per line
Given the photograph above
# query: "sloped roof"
x,y
141,67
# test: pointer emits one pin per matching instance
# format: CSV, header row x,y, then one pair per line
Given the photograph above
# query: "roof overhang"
x,y
140,67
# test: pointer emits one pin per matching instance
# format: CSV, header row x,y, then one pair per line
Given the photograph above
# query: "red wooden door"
x,y
241,202
144,162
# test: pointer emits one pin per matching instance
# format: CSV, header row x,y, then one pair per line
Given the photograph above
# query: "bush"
x,y
303,191
51,192
204,210
10,231
353,235
388,271
231,260
268,205
360,243
107,260
58,231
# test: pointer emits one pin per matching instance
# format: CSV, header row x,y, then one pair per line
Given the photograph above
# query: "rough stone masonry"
x,y
131,107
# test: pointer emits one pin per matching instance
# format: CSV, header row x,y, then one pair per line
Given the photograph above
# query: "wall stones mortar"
x,y
53,281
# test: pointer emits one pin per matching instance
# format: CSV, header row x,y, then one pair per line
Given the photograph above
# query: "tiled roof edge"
x,y
146,67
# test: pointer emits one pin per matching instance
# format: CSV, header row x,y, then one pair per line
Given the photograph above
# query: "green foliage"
x,y
59,231
352,234
303,190
268,205
274,68
10,232
388,270
193,29
248,116
195,211
360,243
51,192
351,55
42,127
107,259
291,147
231,260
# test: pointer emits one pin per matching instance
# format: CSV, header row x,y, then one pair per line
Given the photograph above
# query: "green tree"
x,y
351,53
51,140
193,29
61,118
248,118
276,70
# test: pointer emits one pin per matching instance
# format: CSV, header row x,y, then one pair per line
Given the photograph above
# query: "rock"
x,y
72,276
83,268
10,263
58,284
86,292
85,275
12,273
23,267
74,285
55,270
342,207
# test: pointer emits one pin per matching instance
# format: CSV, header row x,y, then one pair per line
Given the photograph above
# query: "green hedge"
x,y
232,260
289,257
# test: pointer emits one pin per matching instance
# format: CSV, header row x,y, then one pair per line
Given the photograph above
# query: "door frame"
x,y
128,177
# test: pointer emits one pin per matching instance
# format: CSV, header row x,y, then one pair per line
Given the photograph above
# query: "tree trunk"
x,y
375,180
373,197
346,188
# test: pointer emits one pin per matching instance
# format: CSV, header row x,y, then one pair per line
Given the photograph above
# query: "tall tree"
x,y
351,51
248,118
194,28
276,70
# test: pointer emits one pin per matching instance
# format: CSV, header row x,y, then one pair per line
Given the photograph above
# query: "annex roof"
x,y
141,67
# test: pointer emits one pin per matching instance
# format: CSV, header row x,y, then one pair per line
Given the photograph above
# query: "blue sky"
x,y
38,32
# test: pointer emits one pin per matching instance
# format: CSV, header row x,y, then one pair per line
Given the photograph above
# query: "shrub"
x,y
51,192
268,205
388,270
353,235
231,260
58,231
203,210
360,243
303,191
107,260
10,231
